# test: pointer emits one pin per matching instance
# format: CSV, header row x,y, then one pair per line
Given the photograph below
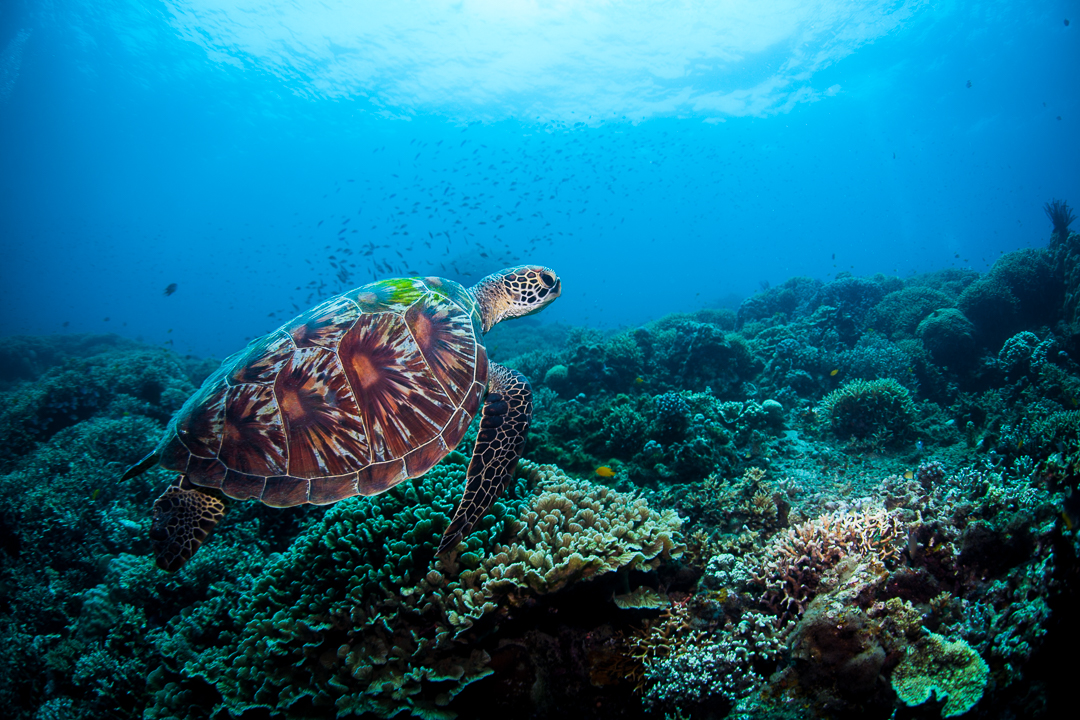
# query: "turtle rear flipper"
x,y
503,425
142,466
183,517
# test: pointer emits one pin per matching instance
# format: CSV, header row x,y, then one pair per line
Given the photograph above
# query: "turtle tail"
x,y
183,517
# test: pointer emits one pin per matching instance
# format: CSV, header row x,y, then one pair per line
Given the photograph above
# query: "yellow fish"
x,y
833,373
605,472
639,380
908,475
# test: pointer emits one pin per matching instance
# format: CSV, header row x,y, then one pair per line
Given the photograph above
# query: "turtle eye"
x,y
548,279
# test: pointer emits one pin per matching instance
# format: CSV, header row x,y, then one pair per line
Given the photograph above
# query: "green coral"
x,y
952,670
861,408
1023,289
900,312
949,336
361,616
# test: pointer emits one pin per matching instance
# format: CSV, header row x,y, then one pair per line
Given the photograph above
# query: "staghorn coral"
x,y
357,616
749,502
660,639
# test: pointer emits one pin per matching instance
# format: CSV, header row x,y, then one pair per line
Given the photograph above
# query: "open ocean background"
x,y
662,156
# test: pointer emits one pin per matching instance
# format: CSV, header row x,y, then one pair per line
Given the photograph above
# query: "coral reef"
x,y
855,498
373,622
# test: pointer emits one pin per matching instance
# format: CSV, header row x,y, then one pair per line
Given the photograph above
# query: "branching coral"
x,y
721,664
693,652
861,408
795,560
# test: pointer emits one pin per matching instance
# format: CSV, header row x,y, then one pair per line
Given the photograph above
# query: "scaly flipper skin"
x,y
183,517
504,422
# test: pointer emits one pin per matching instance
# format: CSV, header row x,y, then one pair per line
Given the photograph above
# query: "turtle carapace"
x,y
365,390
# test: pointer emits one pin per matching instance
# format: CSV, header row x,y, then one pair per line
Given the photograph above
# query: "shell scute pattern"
x,y
444,336
285,491
380,477
454,292
403,404
242,486
253,437
172,454
324,324
200,422
208,472
423,458
261,360
326,434
455,429
324,491
359,393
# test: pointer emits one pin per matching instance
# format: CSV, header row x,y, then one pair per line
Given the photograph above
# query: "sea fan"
x,y
1061,215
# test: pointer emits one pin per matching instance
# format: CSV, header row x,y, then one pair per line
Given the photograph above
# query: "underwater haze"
x,y
792,430
662,156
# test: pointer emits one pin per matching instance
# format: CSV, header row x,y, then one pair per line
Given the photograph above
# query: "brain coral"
x,y
359,615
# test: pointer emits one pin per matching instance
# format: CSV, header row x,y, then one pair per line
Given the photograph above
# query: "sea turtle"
x,y
369,388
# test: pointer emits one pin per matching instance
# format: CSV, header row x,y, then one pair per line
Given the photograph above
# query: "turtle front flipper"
x,y
504,421
183,516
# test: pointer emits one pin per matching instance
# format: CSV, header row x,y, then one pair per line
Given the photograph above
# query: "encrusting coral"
x,y
949,669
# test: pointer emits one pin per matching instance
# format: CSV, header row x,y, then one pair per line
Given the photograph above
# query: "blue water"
x,y
660,156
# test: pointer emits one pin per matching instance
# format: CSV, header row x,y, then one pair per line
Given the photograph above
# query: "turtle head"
x,y
515,292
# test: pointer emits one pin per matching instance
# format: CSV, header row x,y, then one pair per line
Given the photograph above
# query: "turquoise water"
x,y
662,156
805,430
